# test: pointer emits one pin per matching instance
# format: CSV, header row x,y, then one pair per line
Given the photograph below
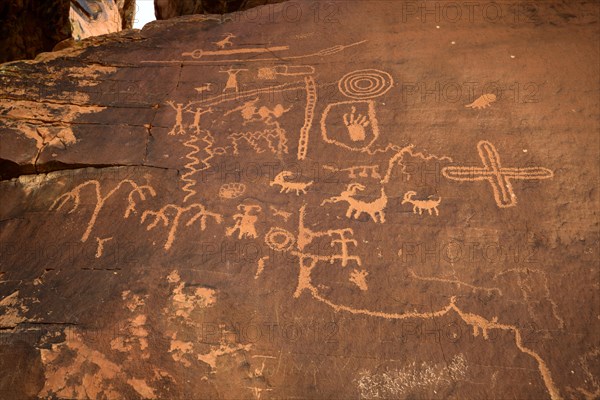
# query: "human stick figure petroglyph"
x,y
499,177
279,239
245,222
287,187
162,215
75,195
420,205
232,80
178,128
482,101
375,209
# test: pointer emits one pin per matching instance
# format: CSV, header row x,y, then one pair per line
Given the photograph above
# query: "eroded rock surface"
x,y
330,206
29,27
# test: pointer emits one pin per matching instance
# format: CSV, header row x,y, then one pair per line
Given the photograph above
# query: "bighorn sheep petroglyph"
x,y
357,207
289,186
420,205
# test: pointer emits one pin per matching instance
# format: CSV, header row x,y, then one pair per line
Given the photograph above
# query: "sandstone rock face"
x,y
29,27
165,9
352,200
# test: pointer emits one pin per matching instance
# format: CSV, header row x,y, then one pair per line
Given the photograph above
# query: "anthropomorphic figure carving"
x,y
245,222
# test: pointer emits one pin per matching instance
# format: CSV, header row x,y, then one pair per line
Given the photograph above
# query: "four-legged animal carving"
x,y
289,186
357,207
420,205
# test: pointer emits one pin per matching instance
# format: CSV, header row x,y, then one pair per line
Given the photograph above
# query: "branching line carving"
x,y
162,215
75,196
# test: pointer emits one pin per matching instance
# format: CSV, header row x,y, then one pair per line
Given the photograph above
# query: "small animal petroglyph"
x,y
231,190
420,205
287,187
356,207
203,88
280,213
482,101
226,41
245,223
356,125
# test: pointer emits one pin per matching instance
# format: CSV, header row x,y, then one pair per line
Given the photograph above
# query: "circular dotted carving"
x,y
279,239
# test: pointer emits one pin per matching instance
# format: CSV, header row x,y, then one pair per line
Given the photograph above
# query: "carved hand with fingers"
x,y
356,124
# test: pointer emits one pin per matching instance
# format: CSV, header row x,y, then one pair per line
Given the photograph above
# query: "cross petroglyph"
x,y
499,177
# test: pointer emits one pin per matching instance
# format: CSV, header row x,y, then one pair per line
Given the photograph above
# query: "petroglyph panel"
x,y
364,216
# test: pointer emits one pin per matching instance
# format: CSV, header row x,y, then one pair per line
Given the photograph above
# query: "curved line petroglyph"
x,y
308,262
